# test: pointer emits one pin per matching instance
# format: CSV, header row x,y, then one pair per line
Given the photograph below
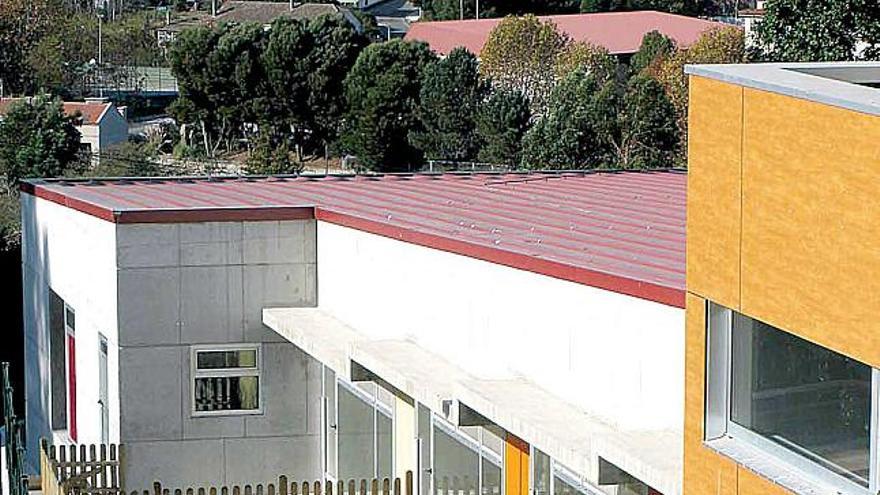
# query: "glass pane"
x,y
355,436
212,360
383,443
561,487
424,427
330,421
804,397
227,393
69,318
493,440
542,473
456,466
491,478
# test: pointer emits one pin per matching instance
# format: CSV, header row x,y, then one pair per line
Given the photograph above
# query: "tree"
x,y
820,30
647,135
451,92
286,62
451,9
37,140
335,49
717,46
521,54
501,123
592,59
655,45
23,23
382,91
568,135
685,7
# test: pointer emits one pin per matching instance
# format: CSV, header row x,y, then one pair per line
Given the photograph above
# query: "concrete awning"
x,y
563,431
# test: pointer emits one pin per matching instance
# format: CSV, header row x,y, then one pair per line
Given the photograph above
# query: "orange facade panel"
x,y
714,196
810,230
516,466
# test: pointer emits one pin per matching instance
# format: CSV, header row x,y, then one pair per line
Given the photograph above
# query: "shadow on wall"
x,y
12,350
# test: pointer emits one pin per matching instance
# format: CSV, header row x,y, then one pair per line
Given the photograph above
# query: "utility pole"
x,y
100,52
478,8
461,9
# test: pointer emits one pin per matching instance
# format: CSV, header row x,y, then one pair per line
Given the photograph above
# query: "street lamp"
x,y
100,13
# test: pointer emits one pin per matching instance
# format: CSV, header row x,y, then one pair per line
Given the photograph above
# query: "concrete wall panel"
x,y
150,393
296,457
149,306
147,462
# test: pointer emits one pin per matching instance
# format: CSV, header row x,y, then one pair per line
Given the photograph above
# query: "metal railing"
x,y
15,449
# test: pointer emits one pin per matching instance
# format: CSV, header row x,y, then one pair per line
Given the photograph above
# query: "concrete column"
x,y
405,450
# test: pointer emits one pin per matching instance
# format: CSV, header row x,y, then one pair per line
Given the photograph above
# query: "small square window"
x,y
226,381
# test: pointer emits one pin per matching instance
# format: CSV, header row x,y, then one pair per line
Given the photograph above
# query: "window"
x,y
364,431
226,380
62,356
58,361
805,405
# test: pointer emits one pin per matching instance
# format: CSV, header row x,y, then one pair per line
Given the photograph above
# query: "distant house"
x,y
237,11
101,123
619,32
750,20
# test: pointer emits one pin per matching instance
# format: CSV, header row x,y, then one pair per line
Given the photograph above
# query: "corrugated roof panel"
x,y
622,231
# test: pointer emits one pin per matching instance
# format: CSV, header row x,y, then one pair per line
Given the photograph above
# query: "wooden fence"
x,y
384,486
80,469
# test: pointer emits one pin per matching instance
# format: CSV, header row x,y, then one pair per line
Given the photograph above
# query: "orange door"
x,y
516,466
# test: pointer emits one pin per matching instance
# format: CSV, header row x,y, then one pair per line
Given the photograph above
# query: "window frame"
x,y
719,429
195,373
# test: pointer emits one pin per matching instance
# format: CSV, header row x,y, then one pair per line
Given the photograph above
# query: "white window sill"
x,y
771,468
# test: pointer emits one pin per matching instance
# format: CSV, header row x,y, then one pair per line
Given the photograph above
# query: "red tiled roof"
x,y
619,231
90,113
618,32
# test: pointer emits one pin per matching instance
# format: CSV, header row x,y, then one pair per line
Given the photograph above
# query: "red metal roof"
x,y
620,231
90,113
618,32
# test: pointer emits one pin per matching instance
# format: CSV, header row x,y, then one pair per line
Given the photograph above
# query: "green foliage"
x,y
521,55
592,59
646,135
128,159
568,135
382,91
686,7
655,45
724,45
271,158
45,46
594,123
23,23
820,30
285,83
37,140
451,93
501,123
336,48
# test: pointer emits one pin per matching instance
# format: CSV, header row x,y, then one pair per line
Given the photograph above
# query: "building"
x,y
100,122
750,19
502,333
262,12
620,33
782,344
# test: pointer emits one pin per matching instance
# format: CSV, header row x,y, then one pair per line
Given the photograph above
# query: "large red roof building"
x,y
619,32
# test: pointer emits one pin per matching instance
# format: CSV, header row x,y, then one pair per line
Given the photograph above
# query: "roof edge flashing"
x,y
838,84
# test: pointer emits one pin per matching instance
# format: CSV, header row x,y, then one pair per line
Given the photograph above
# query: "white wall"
x,y
74,254
619,357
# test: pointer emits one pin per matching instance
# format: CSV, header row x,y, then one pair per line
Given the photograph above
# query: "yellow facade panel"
x,y
810,229
713,212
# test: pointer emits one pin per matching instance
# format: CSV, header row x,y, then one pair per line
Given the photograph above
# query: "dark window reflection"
x,y
804,397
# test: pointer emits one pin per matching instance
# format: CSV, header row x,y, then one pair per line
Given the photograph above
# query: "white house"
x,y
508,333
100,122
